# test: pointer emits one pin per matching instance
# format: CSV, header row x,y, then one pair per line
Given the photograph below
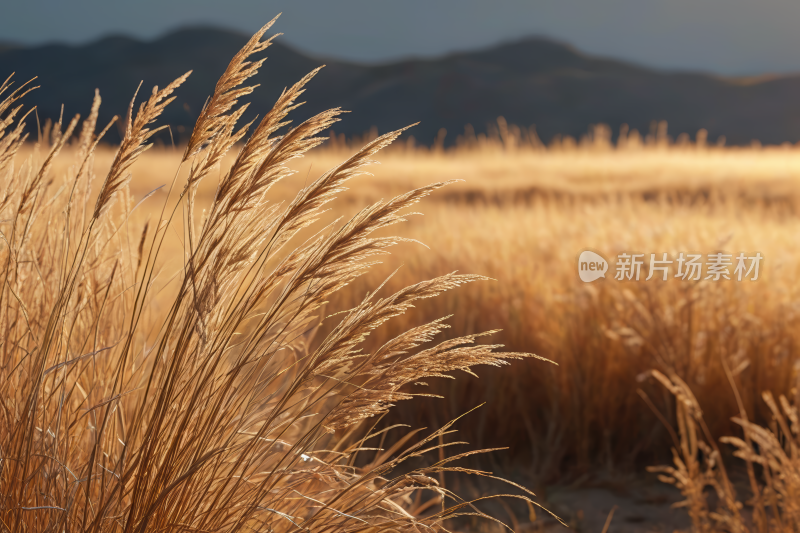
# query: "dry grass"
x,y
212,302
699,472
161,368
522,217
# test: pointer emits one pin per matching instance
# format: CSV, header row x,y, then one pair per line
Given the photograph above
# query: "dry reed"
x,y
205,402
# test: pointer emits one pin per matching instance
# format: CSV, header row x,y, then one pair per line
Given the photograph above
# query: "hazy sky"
x,y
724,36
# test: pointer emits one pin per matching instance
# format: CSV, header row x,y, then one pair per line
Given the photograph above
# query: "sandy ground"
x,y
640,504
639,507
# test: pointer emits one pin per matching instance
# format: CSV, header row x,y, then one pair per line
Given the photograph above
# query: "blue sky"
x,y
739,37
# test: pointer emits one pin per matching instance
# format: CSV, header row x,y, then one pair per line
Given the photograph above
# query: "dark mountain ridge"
x,y
529,81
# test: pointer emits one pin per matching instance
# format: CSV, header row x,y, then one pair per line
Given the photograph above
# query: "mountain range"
x,y
532,81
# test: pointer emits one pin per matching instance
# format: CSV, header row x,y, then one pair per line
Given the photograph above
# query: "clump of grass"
x,y
212,408
770,455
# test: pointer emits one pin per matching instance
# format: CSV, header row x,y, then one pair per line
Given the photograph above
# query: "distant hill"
x,y
530,81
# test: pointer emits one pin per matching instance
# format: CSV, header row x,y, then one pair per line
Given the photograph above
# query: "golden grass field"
x,y
164,365
522,217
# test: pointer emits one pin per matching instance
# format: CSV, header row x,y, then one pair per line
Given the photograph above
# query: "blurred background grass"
x,y
522,215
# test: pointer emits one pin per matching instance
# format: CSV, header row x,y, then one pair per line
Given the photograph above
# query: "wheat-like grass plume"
x,y
133,144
